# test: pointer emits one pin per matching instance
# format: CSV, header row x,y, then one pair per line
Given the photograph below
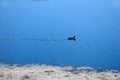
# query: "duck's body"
x,y
72,38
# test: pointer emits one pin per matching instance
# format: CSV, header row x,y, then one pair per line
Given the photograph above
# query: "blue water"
x,y
95,23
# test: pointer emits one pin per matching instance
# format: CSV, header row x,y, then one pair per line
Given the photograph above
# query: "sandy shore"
x,y
49,72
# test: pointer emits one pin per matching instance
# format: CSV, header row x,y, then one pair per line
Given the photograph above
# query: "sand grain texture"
x,y
49,72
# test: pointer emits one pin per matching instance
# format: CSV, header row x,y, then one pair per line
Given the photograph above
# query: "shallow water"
x,y
95,24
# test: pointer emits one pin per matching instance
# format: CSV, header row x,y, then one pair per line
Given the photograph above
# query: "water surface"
x,y
95,23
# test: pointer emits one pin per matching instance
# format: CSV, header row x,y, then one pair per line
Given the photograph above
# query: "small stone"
x,y
1,75
27,77
67,76
115,75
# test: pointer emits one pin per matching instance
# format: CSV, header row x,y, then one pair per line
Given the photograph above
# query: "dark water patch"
x,y
115,71
77,71
19,65
101,70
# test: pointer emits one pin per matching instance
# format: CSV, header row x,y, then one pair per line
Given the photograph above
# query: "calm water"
x,y
96,24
